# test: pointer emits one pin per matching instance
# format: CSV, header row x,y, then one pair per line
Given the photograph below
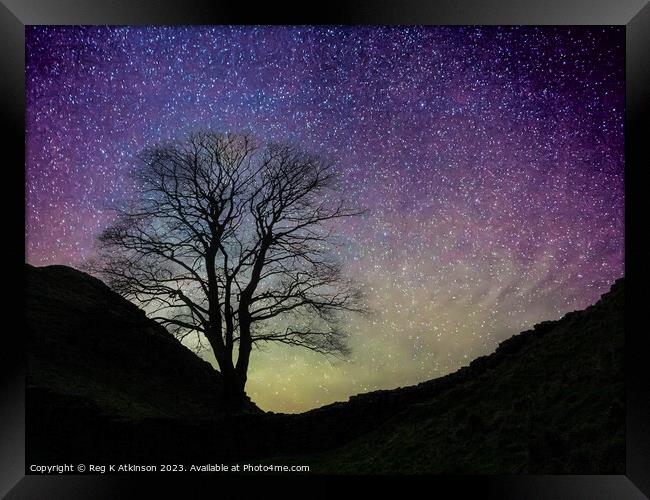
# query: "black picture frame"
x,y
634,14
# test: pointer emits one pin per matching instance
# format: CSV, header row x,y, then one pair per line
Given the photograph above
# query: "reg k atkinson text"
x,y
108,468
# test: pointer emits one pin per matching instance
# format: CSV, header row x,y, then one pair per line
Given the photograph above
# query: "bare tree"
x,y
229,239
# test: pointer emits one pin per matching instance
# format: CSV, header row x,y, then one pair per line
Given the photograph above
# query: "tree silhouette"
x,y
231,239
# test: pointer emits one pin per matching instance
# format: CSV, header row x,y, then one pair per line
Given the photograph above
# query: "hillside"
x,y
86,341
92,355
107,384
549,400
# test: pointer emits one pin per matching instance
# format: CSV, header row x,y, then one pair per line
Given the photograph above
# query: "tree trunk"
x,y
233,391
245,347
233,384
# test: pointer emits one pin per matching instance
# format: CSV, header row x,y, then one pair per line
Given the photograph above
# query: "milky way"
x,y
490,161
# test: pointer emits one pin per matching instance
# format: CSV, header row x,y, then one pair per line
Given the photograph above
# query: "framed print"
x,y
390,242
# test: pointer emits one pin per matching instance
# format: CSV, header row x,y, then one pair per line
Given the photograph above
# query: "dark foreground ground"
x,y
107,385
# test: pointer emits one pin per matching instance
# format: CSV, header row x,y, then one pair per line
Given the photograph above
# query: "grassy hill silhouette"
x,y
105,384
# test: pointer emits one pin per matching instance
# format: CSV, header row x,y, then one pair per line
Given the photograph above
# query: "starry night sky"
x,y
490,161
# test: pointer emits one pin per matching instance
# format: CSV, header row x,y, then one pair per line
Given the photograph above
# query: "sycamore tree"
x,y
234,241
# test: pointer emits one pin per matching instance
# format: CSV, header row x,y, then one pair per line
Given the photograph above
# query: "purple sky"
x,y
490,159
